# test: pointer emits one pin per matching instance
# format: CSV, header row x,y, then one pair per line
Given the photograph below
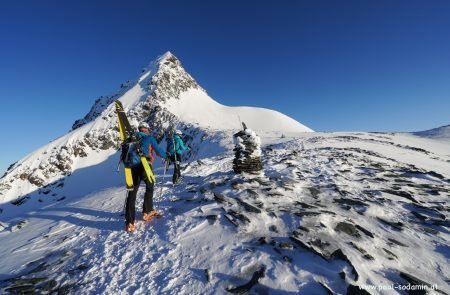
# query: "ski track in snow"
x,y
327,191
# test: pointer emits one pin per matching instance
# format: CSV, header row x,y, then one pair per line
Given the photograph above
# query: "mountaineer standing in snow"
x,y
148,147
175,147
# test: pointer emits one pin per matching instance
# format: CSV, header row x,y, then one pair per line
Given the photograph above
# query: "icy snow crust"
x,y
382,200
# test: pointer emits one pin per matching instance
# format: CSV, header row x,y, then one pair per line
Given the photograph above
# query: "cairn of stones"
x,y
247,151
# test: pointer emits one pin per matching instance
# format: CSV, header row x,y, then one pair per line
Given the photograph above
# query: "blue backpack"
x,y
130,155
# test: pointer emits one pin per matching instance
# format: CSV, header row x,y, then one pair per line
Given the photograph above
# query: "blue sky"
x,y
371,65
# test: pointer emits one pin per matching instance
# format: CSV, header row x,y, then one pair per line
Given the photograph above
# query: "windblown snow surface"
x,y
330,213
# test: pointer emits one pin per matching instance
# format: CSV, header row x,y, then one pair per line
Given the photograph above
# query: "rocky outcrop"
x,y
170,80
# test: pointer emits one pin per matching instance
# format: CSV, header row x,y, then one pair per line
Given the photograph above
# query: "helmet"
x,y
178,132
143,125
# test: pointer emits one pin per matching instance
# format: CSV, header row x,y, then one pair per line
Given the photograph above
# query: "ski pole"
x,y
118,165
162,182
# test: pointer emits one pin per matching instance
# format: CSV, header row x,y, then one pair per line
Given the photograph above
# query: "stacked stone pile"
x,y
247,152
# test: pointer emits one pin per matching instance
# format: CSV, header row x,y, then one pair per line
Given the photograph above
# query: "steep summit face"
x,y
163,79
165,95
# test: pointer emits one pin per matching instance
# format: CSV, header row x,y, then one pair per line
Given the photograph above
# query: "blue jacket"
x,y
179,145
148,145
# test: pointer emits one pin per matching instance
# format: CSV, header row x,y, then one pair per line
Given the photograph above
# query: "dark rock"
x,y
21,289
306,213
392,255
303,228
236,185
232,220
286,246
347,201
328,212
355,290
243,289
414,281
395,225
338,254
314,192
287,259
221,198
418,215
65,289
402,194
248,207
319,243
212,218
262,241
435,174
36,180
430,230
397,242
273,228
19,225
41,267
365,231
304,205
272,242
308,248
207,275
49,286
252,193
234,217
348,228
20,201
431,212
362,251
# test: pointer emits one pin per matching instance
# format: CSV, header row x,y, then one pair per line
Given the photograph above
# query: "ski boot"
x,y
129,227
150,215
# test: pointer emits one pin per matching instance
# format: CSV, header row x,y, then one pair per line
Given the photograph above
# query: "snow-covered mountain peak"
x,y
166,96
163,79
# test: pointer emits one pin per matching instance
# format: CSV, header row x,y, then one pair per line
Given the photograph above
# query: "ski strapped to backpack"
x,y
123,136
131,154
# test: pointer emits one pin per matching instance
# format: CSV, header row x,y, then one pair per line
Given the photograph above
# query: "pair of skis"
x,y
126,132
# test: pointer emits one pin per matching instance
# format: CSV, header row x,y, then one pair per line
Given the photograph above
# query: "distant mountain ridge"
x,y
442,132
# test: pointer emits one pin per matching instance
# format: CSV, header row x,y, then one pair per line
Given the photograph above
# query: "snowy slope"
x,y
332,211
166,96
197,107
